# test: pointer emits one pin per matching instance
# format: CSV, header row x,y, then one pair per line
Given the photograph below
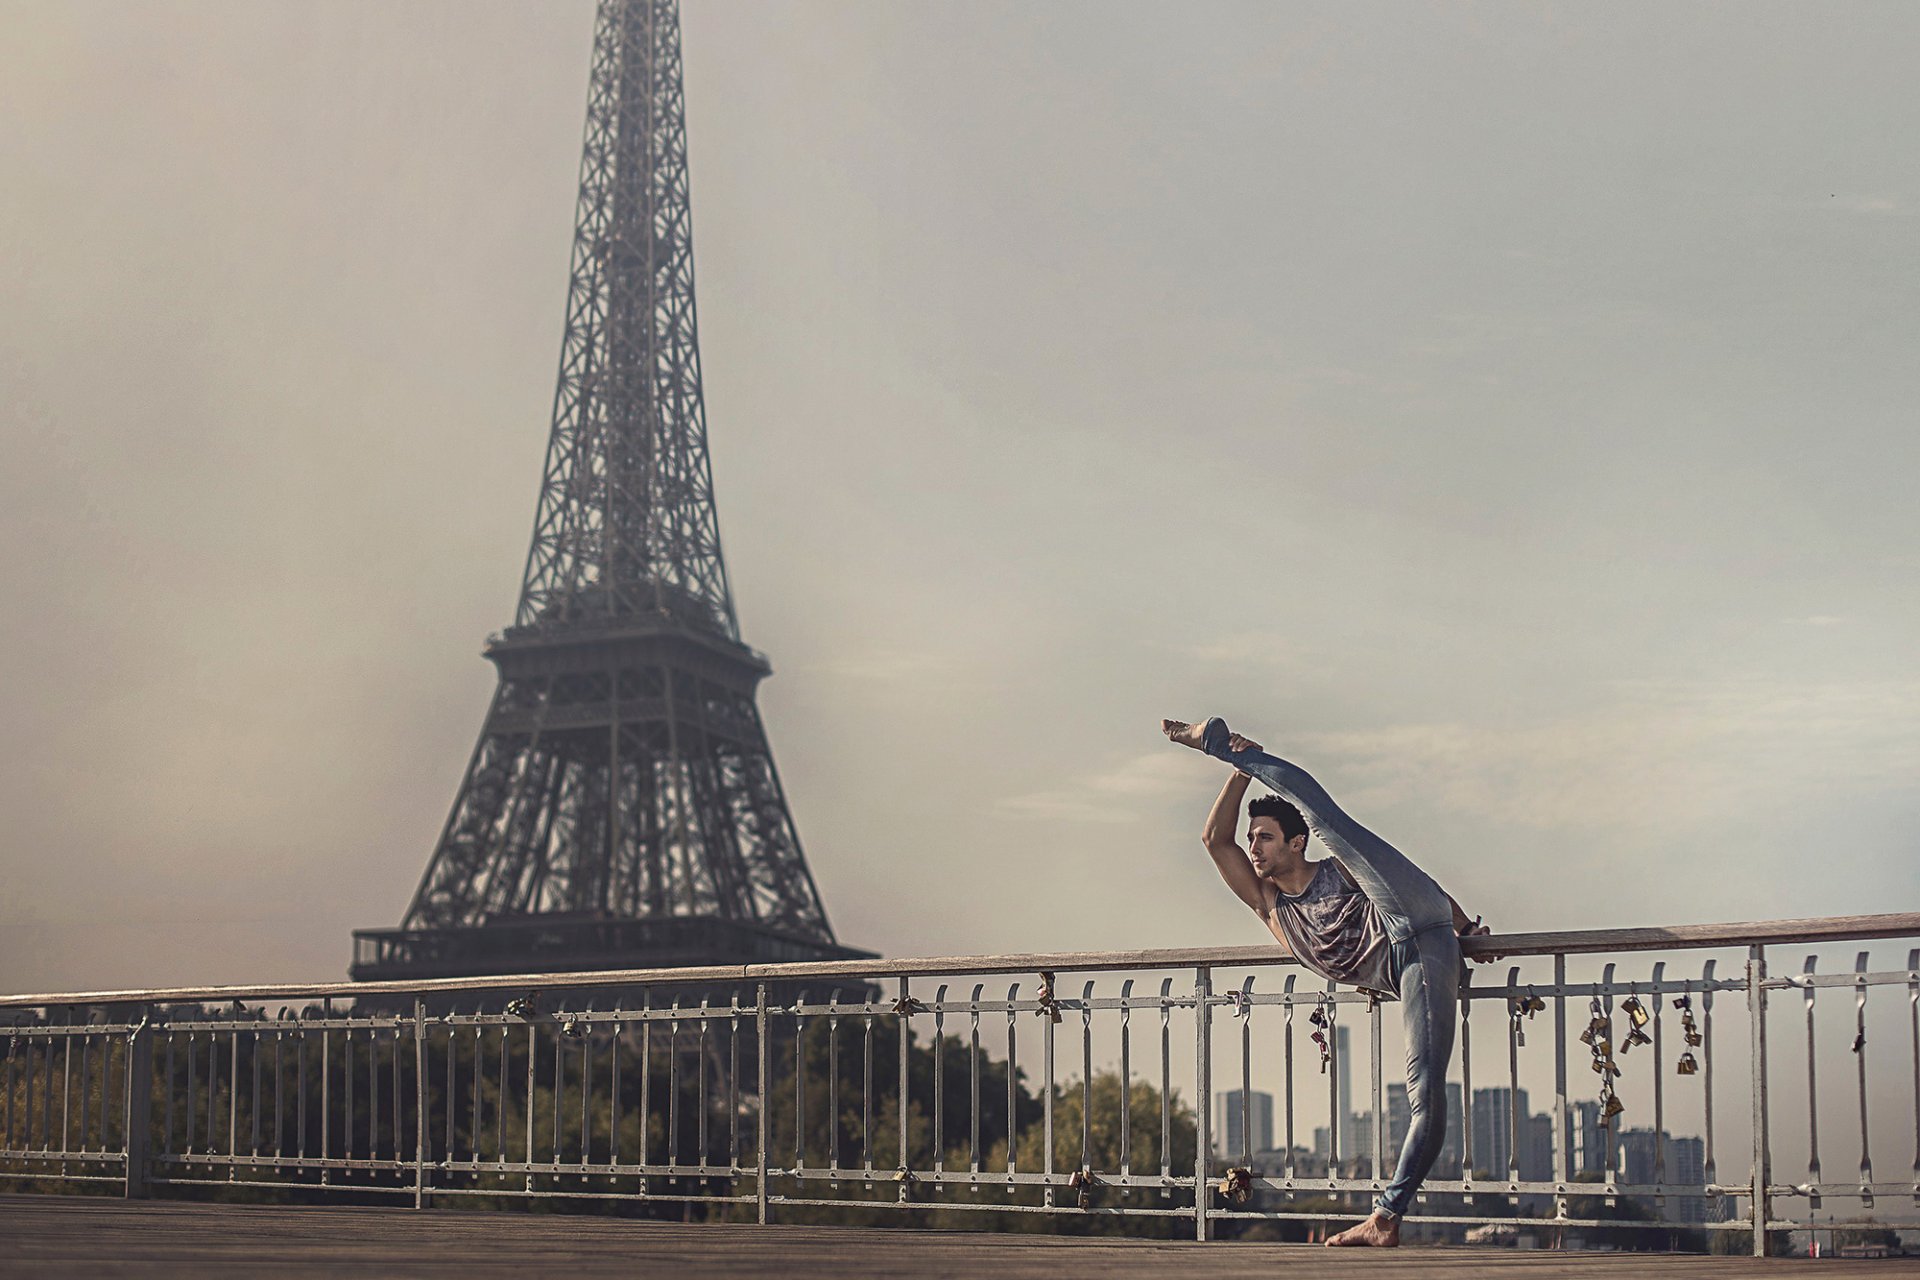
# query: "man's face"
x,y
1267,847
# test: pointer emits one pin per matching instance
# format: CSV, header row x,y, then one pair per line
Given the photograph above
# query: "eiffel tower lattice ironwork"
x,y
621,808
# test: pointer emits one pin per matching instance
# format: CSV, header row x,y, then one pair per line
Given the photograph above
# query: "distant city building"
x,y
1229,1109
1493,1129
1586,1139
1661,1159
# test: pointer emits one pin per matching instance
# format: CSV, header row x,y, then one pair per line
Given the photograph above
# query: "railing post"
x,y
1762,1171
1562,1129
1203,1095
763,1120
420,1102
136,1107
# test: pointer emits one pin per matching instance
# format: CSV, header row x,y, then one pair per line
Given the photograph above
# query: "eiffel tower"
x,y
621,809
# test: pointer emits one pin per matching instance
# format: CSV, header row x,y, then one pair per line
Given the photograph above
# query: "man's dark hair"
x,y
1291,823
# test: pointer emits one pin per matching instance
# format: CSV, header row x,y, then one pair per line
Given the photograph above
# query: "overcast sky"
x,y
1504,411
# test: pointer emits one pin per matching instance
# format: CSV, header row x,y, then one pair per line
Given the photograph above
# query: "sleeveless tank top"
x,y
1335,930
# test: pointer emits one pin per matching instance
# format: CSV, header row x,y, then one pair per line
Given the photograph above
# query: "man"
x,y
1365,916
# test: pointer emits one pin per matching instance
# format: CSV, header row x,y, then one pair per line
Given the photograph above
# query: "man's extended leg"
x,y
1403,892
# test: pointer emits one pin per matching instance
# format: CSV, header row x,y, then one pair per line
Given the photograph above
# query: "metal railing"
x,y
754,1087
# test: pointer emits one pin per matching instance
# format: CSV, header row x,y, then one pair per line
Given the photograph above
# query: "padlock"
x,y
1632,1007
1694,1038
1635,1036
1613,1106
1859,1041
1686,1066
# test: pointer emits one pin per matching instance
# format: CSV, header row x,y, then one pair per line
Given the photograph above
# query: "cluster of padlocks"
x,y
1687,1066
1598,1037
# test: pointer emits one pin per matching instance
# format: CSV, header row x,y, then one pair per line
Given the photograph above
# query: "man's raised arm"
x,y
1228,856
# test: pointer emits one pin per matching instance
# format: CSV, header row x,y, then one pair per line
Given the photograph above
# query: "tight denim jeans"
x,y
1424,957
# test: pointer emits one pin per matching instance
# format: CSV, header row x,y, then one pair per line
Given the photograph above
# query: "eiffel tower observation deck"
x,y
621,809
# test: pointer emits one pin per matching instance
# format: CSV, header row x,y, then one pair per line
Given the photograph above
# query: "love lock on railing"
x,y
1237,1185
1690,1031
1049,1007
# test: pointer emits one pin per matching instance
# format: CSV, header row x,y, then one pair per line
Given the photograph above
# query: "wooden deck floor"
x,y
76,1236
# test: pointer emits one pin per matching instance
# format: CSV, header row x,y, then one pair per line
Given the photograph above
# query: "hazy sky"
x,y
1505,411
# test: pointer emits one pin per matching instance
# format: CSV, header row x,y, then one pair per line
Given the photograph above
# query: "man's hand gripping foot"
x,y
1379,1231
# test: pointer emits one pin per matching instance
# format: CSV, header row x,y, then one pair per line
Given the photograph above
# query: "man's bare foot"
x,y
1378,1230
1187,735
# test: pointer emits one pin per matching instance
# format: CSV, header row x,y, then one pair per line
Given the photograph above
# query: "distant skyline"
x,y
1504,412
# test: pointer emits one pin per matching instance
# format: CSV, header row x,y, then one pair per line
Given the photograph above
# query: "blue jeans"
x,y
1424,957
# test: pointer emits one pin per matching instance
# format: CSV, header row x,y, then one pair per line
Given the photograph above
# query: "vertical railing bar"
x,y
233,1092
1049,1010
1166,1082
866,1091
447,1139
136,1103
1203,1094
586,1091
1762,1173
1516,1122
500,1095
300,1089
346,1093
1378,1157
86,1090
398,1093
373,1091
1013,1114
940,1078
533,1056
559,1079
166,1094
7,1143
905,1027
26,1098
700,1086
66,1087
1913,1027
1658,1050
326,1098
646,1084
1245,1012
1333,1066
1286,1043
280,1087
799,1082
613,1082
1860,1063
673,1085
733,1078
1126,1078
1709,1168
253,1053
973,1077
1813,1097
833,1081
1562,1130
1086,1078
1466,1082
46,1096
191,1098
420,1100
763,1095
